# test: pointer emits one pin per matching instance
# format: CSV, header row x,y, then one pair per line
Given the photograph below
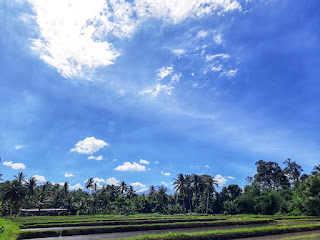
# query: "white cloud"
x,y
142,190
179,52
127,166
138,185
178,10
18,147
96,158
74,34
156,162
142,161
218,39
114,160
207,166
98,180
229,177
15,166
164,71
40,179
221,180
195,85
230,73
113,181
166,174
77,186
164,183
202,34
68,175
89,145
211,57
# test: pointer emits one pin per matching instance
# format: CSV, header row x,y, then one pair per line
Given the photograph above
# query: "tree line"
x,y
272,190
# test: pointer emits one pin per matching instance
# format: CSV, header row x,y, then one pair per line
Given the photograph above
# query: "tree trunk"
x,y
207,203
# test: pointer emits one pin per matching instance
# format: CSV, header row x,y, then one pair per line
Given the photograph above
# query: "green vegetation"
x,y
273,190
8,230
231,234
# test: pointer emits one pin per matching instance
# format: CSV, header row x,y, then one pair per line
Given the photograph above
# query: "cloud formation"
x,y
40,179
76,186
68,175
165,173
221,180
18,147
15,166
96,158
138,185
142,161
113,181
89,145
74,35
127,166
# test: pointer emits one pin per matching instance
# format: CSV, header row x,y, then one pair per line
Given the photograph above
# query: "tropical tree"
x,y
123,187
31,185
316,170
180,186
292,171
209,188
89,184
14,193
20,177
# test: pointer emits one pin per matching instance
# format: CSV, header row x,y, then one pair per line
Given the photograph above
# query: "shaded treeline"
x,y
272,190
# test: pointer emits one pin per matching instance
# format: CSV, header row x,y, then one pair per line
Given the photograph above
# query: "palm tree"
x,y
188,184
162,198
66,189
180,186
20,177
209,188
14,193
131,193
89,184
124,187
152,193
197,187
31,185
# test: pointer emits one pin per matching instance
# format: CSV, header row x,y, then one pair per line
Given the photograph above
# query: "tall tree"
x,y
316,170
14,193
209,188
293,171
20,177
270,175
89,184
180,186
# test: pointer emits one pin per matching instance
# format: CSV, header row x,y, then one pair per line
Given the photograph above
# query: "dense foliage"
x,y
272,190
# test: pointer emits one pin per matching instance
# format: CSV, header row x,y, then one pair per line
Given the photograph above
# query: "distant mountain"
x,y
169,191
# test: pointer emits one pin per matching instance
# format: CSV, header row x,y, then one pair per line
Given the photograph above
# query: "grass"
x,y
130,228
231,234
8,230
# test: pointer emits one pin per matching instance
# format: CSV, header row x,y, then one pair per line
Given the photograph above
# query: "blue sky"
x,y
142,90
